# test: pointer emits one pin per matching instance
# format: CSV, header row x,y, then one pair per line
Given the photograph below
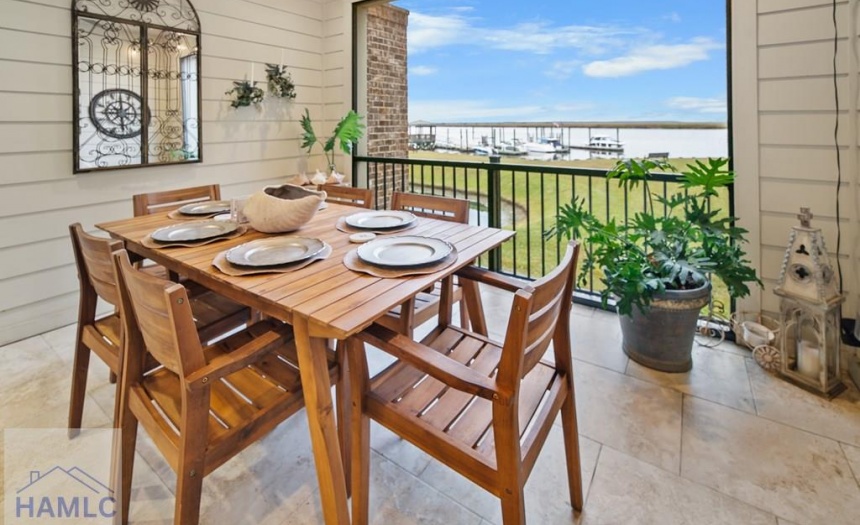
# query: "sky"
x,y
566,60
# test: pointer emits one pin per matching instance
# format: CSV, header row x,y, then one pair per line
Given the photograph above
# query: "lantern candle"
x,y
807,359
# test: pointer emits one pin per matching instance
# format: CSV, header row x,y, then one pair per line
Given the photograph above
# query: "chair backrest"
x,y
157,313
362,198
149,203
94,262
536,315
432,206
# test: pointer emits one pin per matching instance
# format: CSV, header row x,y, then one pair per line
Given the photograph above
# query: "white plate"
x,y
194,231
205,208
274,251
380,220
404,252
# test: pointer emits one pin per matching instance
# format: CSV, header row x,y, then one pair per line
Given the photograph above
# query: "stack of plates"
x,y
408,251
382,220
193,231
274,252
205,208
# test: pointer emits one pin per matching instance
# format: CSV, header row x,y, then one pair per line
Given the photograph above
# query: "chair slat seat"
x,y
454,415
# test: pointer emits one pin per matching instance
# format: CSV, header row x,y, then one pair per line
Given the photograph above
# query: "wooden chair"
x,y
213,314
481,407
166,201
362,198
425,305
204,404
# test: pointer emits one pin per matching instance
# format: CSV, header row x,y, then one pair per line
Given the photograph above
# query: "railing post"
x,y
494,208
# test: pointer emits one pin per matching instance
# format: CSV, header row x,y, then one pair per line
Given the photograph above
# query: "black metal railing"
x,y
521,197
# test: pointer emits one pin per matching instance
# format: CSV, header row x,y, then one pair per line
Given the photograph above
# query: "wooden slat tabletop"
x,y
322,300
336,301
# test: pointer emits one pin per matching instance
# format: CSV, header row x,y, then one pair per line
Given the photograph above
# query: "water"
x,y
638,142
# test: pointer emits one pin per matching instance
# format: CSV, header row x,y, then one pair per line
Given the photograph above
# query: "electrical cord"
x,y
836,143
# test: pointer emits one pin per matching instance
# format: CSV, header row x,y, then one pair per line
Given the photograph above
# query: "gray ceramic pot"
x,y
662,338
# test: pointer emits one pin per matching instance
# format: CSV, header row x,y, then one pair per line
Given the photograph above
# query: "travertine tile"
x,y
24,360
599,349
397,450
626,490
732,348
636,417
546,492
717,376
781,401
853,455
63,340
403,499
398,497
41,399
791,473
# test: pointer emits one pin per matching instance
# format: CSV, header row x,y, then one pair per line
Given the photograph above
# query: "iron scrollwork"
x,y
136,83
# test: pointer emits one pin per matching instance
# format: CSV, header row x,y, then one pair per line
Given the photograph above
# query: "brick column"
x,y
387,102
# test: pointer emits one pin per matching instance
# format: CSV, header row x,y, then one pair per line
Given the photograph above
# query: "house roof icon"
x,y
74,474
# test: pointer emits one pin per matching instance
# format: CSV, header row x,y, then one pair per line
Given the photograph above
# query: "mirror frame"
x,y
139,19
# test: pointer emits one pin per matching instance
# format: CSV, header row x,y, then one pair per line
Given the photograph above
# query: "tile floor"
x,y
723,444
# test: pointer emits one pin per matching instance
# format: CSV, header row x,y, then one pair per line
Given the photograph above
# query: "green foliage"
x,y
347,132
675,249
246,93
280,82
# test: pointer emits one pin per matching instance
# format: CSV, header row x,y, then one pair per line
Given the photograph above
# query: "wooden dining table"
x,y
322,301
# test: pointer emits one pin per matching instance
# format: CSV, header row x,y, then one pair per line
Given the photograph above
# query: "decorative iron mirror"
x,y
136,83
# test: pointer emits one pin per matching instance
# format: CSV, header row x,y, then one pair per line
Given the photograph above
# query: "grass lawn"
x,y
531,201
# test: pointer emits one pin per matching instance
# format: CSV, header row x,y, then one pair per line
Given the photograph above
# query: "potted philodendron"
x,y
346,133
657,267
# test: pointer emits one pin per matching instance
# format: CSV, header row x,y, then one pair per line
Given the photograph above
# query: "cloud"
x,y
698,105
563,69
429,31
423,71
673,17
653,57
435,31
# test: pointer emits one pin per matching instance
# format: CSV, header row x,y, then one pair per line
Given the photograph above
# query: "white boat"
x,y
484,150
602,143
514,147
546,145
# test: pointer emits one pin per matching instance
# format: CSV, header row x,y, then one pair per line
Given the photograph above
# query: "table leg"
x,y
320,409
474,305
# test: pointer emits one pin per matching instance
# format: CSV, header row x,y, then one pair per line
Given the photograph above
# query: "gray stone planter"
x,y
662,338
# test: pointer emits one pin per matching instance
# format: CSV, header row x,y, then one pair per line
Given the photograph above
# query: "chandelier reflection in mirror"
x,y
136,83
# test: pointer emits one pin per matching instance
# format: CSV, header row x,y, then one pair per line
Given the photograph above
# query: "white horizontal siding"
x,y
802,25
243,149
803,59
796,119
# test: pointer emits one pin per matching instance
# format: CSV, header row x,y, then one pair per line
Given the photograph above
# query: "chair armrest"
x,y
473,273
429,361
226,364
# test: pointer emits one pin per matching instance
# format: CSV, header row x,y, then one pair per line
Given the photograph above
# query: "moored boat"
x,y
513,148
546,145
602,143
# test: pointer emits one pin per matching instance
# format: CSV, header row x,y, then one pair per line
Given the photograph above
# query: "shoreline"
x,y
570,124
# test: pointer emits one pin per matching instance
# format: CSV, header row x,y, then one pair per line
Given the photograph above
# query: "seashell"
x,y
283,208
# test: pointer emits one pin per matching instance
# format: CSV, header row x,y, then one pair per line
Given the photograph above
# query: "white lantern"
x,y
810,306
